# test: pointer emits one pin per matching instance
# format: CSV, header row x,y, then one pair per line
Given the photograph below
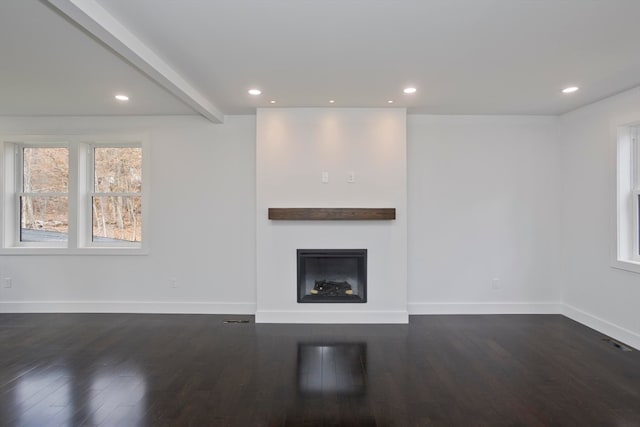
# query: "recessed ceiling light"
x,y
410,90
255,91
331,101
390,101
121,97
272,102
570,89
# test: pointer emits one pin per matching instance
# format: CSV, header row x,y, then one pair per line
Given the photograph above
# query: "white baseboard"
x,y
263,316
603,326
486,308
159,307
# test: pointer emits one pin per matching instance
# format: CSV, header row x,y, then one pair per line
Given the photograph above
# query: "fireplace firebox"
x,y
332,275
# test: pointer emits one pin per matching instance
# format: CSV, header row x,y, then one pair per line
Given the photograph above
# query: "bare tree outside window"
x,y
116,199
44,201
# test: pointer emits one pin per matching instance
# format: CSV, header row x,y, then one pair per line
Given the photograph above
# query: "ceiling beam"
x,y
102,25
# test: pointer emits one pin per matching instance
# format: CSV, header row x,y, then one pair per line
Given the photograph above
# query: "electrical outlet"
x,y
495,283
173,282
351,177
8,282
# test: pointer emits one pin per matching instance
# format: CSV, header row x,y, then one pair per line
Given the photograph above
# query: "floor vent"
x,y
617,344
236,321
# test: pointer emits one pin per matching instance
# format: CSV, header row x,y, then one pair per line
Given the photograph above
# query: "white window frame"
x,y
635,192
626,255
80,190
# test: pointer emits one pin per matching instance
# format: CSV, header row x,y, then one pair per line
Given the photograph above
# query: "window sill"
x,y
79,251
628,265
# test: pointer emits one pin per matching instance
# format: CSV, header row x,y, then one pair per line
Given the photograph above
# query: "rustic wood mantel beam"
x,y
332,214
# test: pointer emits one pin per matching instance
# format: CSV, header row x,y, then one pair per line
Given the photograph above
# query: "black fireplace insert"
x,y
332,275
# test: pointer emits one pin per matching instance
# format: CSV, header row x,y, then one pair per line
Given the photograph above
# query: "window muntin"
x,y
43,199
116,202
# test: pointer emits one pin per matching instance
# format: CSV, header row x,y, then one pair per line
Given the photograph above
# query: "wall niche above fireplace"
x,y
332,275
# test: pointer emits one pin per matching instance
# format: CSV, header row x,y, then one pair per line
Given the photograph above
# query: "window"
x,y
43,194
635,177
628,198
75,196
116,202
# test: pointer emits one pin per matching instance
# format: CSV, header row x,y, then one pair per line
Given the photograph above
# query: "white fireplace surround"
x,y
362,155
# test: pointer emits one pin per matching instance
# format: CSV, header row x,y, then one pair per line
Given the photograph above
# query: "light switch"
x,y
325,177
351,177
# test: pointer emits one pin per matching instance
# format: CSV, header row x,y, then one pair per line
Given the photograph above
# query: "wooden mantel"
x,y
331,214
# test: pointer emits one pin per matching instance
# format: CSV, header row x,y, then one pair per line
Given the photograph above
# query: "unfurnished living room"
x,y
319,213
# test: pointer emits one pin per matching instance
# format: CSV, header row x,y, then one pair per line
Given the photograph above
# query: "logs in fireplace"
x,y
328,288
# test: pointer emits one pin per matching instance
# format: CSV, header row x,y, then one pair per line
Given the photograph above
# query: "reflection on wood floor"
x,y
339,368
196,370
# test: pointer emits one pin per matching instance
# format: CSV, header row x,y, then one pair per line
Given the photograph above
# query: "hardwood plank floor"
x,y
196,370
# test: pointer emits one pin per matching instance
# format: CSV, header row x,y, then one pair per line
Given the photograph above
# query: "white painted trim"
x,y
628,265
486,308
63,251
385,317
605,327
159,307
98,22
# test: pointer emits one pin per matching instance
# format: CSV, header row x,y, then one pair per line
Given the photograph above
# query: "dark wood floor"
x,y
179,370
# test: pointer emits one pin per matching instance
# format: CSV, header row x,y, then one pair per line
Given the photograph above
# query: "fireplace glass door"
x,y
332,275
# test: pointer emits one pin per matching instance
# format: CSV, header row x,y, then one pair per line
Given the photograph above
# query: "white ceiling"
x,y
50,67
464,56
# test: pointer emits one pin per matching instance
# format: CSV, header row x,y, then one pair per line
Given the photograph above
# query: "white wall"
x,y
595,293
294,147
483,204
202,226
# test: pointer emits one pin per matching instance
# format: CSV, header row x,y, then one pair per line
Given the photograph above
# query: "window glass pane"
x,y
43,219
45,170
117,218
118,169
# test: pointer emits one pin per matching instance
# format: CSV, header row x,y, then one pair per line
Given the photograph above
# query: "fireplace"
x,y
332,275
